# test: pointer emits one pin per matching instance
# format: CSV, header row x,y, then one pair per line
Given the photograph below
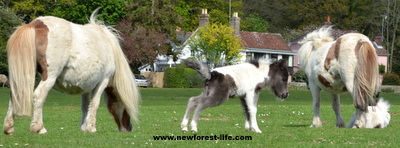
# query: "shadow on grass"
x,y
291,125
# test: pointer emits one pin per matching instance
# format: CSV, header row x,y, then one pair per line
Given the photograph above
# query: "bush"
x,y
299,76
391,79
381,69
179,77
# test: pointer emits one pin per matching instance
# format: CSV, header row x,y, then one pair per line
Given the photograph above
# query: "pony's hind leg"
x,y
336,108
39,97
203,103
315,92
246,114
192,104
89,124
8,126
251,101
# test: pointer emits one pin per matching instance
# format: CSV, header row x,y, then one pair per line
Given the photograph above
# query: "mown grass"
x,y
284,124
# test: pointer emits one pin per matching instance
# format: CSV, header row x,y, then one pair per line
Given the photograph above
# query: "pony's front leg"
x,y
89,124
336,108
8,126
251,101
315,92
39,96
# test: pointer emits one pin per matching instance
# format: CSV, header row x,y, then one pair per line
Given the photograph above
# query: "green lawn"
x,y
284,124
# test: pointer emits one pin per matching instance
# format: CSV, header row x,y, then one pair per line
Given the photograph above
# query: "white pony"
x,y
3,80
376,117
243,80
348,64
75,59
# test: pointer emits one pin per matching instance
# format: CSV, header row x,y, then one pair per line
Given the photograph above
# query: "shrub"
x,y
193,78
391,79
387,90
381,69
299,76
179,77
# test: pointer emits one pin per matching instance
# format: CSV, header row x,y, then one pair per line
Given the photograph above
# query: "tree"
x,y
254,23
218,9
360,15
216,45
146,28
140,45
8,21
77,11
28,9
392,11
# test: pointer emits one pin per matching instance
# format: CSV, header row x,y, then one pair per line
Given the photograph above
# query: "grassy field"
x,y
284,124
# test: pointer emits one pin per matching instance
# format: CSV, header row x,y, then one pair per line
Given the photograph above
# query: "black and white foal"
x,y
243,80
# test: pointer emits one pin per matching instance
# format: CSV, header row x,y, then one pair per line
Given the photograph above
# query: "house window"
x,y
249,56
259,56
274,56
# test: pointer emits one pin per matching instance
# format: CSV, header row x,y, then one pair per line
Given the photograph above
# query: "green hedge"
x,y
391,79
179,77
299,76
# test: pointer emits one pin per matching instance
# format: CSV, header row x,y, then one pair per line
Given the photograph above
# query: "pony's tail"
x,y
21,53
383,105
201,68
366,77
123,79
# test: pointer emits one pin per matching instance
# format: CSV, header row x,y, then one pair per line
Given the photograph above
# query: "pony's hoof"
x,y
9,131
340,125
184,131
37,128
88,128
194,131
91,130
42,131
256,130
315,125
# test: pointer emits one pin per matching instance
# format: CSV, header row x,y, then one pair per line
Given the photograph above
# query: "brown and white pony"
x,y
244,80
348,64
75,59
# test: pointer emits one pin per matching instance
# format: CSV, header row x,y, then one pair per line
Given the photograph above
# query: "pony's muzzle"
x,y
284,95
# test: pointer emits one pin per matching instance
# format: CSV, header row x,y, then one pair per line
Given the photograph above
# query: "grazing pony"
x,y
348,64
4,80
75,59
243,80
376,117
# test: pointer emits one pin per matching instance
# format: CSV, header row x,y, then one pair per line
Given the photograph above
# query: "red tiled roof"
x,y
335,33
263,41
381,51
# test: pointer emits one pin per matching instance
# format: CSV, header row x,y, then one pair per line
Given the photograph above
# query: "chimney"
x,y
379,39
328,22
204,18
235,23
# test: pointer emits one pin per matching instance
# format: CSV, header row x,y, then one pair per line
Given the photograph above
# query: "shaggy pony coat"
x,y
75,59
348,64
